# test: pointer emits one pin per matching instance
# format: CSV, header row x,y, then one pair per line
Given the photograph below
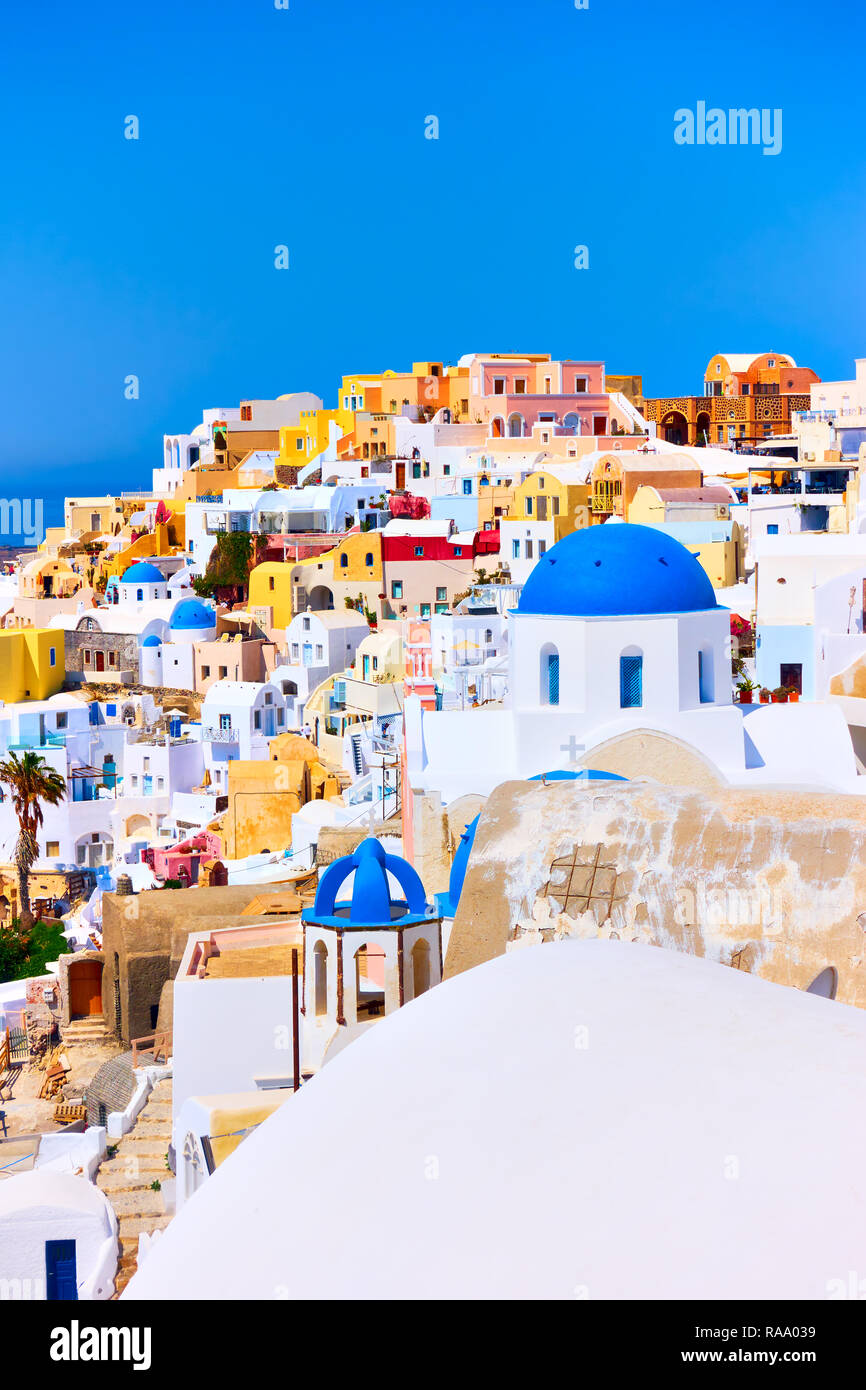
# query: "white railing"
x,y
213,735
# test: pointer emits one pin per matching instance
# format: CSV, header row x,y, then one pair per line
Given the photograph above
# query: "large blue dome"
x,y
617,570
190,613
142,573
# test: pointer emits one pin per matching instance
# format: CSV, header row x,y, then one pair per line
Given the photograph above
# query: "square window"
x,y
52,849
224,670
425,610
458,551
205,672
441,594
419,551
396,588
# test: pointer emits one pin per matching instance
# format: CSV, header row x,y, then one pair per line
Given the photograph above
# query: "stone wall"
x,y
767,880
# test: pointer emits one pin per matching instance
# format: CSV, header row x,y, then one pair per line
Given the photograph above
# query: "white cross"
x,y
572,748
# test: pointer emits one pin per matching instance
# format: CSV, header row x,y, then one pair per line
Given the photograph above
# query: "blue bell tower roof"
x,y
371,903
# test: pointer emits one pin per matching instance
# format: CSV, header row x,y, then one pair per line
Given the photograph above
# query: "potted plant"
x,y
746,687
780,695
793,694
764,695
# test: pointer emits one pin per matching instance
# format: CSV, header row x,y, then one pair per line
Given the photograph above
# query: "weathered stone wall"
x,y
767,880
334,842
143,940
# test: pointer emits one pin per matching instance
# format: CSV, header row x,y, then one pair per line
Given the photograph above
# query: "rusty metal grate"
x,y
581,882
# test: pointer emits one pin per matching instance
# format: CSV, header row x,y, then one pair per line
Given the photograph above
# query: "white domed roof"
x,y
596,1119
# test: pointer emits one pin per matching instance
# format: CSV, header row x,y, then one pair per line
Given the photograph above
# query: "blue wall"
x,y
785,644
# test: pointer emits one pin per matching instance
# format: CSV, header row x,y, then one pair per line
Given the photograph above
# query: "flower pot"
x,y
794,697
745,697
780,699
765,699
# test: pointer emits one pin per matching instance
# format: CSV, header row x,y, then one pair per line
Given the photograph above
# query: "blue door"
x,y
60,1281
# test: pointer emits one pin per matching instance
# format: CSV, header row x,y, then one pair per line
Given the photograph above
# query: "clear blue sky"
x,y
306,127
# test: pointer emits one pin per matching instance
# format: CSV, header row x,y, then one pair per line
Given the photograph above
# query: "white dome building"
x,y
590,1119
141,584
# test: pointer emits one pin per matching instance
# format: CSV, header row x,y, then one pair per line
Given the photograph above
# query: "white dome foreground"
x,y
593,1120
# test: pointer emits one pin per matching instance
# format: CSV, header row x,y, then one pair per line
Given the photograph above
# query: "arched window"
x,y
631,679
549,674
320,978
420,968
344,562
139,595
368,558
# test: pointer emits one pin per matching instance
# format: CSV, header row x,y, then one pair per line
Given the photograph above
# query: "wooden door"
x,y
85,988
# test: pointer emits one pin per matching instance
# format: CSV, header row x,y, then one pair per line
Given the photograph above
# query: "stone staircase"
x,y
127,1178
86,1030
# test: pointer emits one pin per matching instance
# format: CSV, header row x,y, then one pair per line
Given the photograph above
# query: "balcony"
x,y
35,741
212,735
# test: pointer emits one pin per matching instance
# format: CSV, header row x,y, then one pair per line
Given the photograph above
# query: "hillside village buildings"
x,y
357,699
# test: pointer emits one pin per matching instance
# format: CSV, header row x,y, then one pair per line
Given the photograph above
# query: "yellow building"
x,y
32,664
270,593
560,496
700,519
263,796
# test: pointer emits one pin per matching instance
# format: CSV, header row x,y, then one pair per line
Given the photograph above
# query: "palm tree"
x,y
31,781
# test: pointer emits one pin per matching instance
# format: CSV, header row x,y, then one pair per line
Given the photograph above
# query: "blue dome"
x,y
142,573
151,641
190,613
371,904
616,571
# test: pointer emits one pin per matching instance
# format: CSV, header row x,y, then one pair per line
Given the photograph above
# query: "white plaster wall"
x,y
228,1031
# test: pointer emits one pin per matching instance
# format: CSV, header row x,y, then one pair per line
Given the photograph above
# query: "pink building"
x,y
512,393
181,862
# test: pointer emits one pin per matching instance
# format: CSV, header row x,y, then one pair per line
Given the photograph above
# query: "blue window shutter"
x,y
553,679
630,682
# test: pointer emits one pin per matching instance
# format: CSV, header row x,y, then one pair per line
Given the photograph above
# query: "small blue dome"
x,y
142,573
371,904
151,641
190,613
583,774
617,571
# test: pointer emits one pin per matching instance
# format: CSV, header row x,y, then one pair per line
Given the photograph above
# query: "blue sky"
x,y
306,127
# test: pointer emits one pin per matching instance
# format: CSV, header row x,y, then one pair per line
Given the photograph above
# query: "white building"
x,y
617,629
506,1159
58,1238
318,644
239,718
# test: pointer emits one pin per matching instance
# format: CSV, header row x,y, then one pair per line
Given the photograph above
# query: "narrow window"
x,y
631,682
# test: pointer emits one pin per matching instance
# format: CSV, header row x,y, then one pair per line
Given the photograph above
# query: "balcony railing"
x,y
212,735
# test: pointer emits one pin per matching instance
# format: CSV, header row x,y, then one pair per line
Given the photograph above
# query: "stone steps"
x,y
126,1178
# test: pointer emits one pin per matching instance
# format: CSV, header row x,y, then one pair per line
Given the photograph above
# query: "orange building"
x,y
747,398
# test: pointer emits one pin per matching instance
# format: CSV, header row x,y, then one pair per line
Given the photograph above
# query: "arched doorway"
x,y
321,598
497,427
675,427
515,426
320,978
85,988
703,428
420,968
